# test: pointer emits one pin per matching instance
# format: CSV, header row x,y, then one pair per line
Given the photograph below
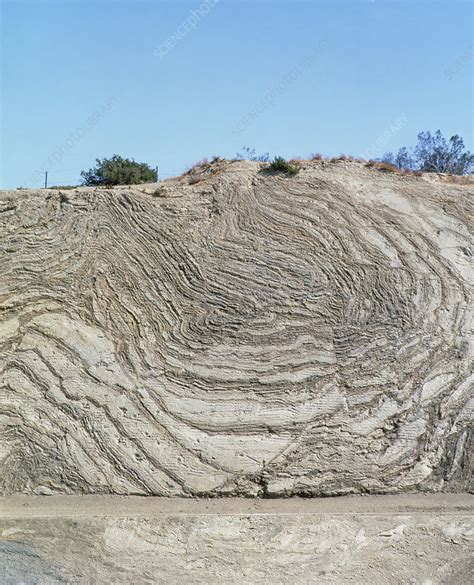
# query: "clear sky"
x,y
170,82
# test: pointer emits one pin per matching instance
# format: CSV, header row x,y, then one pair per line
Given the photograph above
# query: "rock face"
x,y
235,332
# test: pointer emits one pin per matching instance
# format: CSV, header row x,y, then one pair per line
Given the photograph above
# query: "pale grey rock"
x,y
238,334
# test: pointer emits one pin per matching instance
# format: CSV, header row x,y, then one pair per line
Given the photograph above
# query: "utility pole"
x,y
156,171
46,179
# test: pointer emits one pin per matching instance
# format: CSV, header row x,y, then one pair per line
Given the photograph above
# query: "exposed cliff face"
x,y
238,333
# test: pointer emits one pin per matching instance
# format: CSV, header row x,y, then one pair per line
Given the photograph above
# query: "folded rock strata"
x,y
238,333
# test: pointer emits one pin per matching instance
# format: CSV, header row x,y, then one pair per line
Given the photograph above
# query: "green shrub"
x,y
280,165
118,171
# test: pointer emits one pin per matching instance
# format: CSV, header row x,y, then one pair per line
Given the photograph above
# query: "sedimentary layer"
x,y
235,332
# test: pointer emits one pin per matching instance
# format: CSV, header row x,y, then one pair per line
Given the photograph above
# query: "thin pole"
x,y
156,171
46,179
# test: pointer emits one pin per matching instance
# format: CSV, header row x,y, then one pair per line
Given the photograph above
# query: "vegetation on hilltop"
x,y
118,171
434,154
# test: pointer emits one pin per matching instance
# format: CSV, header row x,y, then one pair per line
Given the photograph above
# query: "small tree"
x,y
403,159
433,154
118,171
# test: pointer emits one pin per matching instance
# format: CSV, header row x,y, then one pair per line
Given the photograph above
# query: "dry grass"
x,y
459,179
200,163
389,168
382,166
346,158
204,167
343,157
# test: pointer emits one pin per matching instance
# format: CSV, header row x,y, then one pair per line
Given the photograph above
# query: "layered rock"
x,y
234,332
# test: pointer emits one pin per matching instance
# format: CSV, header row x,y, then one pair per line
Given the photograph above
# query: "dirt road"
x,y
425,539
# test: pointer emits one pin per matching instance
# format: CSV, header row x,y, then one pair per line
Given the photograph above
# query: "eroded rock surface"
x,y
238,333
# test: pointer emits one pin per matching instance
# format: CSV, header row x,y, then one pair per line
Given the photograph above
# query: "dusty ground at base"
x,y
20,506
409,538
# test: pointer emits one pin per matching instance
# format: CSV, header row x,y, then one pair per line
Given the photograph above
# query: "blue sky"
x,y
159,83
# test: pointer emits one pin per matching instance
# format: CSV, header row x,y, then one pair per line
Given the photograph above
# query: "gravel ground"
x,y
425,539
